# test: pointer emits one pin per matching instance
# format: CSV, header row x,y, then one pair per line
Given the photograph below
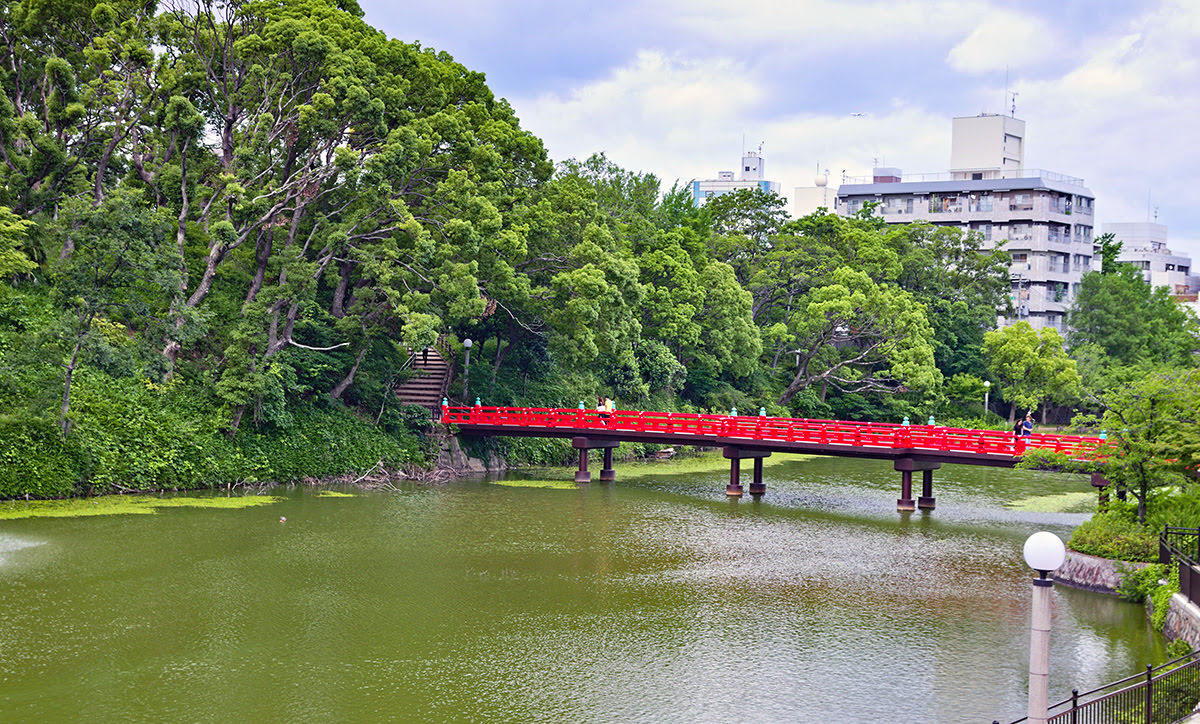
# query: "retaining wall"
x,y
1183,621
1092,573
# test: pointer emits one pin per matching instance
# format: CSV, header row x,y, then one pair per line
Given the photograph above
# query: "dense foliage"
x,y
224,226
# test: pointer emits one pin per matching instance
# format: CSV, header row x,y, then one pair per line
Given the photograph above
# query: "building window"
x,y
945,204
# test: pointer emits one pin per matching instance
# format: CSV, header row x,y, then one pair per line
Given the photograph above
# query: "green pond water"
x,y
528,599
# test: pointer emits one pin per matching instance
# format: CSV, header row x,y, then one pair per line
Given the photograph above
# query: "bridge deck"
x,y
885,441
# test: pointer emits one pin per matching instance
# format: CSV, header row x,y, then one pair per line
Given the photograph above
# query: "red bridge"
x,y
910,447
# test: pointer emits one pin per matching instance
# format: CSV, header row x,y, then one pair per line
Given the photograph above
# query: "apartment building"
x,y
752,175
1144,244
1043,219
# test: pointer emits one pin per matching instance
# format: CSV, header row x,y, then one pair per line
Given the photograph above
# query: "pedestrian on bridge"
x,y
1027,425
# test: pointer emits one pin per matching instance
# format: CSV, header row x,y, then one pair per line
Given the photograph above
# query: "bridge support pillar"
x,y
906,467
583,445
735,455
1102,484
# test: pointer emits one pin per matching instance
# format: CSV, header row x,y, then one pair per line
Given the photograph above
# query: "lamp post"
x,y
467,368
1044,552
987,388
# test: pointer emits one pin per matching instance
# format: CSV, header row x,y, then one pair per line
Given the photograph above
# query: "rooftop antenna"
x,y
1014,95
1156,214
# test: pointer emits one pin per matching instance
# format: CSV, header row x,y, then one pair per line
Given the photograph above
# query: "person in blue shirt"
x,y
1027,426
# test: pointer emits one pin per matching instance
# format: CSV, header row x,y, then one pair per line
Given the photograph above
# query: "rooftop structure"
x,y
752,175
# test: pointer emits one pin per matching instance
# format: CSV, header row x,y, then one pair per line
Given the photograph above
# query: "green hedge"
x,y
1114,534
35,460
130,434
319,443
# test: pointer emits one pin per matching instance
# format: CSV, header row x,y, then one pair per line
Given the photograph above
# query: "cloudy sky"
x,y
1107,88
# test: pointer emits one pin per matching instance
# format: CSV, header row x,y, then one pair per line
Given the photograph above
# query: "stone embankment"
x,y
452,457
1092,573
1183,621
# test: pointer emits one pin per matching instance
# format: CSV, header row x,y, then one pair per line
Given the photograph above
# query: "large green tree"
x,y
1031,365
1154,433
1130,321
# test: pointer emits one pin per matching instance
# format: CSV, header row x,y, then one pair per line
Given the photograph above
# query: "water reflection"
x,y
654,599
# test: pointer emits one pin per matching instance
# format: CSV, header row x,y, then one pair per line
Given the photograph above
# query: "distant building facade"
x,y
1043,219
1144,244
752,175
807,199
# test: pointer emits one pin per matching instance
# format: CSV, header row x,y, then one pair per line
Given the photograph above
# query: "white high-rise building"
x,y
1043,219
1144,244
752,175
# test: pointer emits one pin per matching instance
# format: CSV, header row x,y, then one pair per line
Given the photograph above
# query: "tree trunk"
x,y
336,394
171,351
237,420
338,309
262,254
66,399
501,351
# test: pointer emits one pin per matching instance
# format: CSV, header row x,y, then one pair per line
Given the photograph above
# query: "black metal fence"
x,y
1182,545
1162,695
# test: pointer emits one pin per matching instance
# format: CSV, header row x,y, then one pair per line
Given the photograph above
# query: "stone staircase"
x,y
429,381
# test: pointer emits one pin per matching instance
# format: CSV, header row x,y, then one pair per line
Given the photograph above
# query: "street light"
x,y
987,387
467,369
1044,552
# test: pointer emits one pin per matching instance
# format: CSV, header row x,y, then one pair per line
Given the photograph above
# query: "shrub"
x,y
1174,507
1178,649
1161,598
1113,534
35,460
318,443
1138,583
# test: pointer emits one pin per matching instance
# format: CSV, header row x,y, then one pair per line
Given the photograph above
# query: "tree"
x,y
1131,321
858,336
13,232
961,284
121,268
1031,365
1154,433
1110,250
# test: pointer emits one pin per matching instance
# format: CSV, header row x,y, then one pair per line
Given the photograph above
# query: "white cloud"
x,y
1119,119
1118,116
1003,40
826,24
685,118
650,114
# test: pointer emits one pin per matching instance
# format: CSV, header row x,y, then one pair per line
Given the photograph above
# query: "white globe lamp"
x,y
1044,552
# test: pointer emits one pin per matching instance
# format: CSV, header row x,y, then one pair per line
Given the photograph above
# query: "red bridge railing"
x,y
783,429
